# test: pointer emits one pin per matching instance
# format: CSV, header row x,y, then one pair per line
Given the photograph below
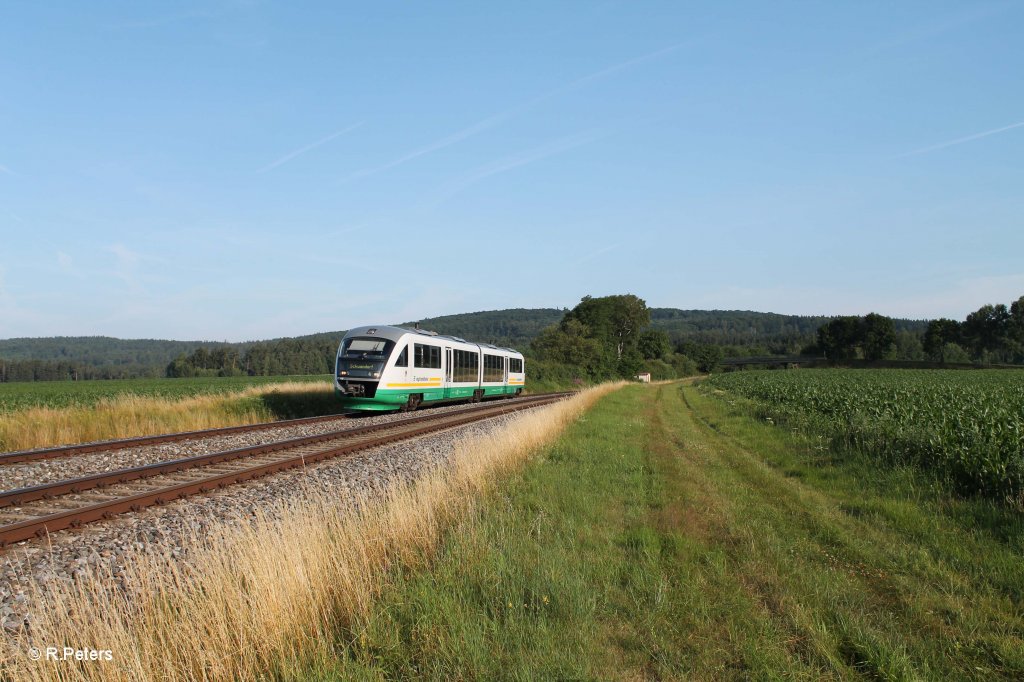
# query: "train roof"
x,y
394,333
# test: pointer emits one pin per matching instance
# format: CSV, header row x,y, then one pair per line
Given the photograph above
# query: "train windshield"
x,y
366,349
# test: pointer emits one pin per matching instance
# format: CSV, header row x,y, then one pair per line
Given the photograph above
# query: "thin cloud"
x,y
961,140
594,254
302,150
516,161
936,27
5,169
496,119
166,20
472,130
622,66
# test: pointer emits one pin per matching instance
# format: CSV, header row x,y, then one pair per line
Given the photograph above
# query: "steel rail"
x,y
18,496
73,518
19,456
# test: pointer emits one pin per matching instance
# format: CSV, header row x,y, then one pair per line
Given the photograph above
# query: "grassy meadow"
x,y
45,413
667,535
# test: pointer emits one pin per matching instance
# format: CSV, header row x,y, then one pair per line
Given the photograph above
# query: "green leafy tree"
x,y
953,352
572,343
940,332
987,328
878,337
654,344
614,320
839,338
705,356
1016,329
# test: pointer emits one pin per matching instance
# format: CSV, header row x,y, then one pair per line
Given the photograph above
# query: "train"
x,y
395,368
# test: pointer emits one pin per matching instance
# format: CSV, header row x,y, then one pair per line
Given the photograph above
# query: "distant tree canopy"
x,y
872,337
991,334
601,337
608,337
268,358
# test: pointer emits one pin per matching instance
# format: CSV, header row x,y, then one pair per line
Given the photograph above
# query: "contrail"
x,y
288,157
496,119
432,147
508,163
961,140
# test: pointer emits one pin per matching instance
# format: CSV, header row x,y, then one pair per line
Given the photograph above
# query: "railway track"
x,y
34,511
20,456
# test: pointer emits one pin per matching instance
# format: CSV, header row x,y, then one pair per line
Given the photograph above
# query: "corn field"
x,y
966,426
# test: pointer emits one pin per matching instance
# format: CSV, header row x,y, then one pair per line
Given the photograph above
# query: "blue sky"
x,y
243,170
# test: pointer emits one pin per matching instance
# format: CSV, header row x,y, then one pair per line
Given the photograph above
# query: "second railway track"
x,y
34,511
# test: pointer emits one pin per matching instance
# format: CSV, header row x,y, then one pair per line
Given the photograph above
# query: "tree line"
x,y
606,337
992,334
266,358
63,370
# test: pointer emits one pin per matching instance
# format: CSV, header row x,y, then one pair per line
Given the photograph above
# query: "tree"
x,y
839,339
952,352
653,344
908,346
877,336
613,320
940,332
705,355
1016,329
987,328
572,343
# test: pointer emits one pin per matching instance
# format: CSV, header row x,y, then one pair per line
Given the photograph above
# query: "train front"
x,y
362,358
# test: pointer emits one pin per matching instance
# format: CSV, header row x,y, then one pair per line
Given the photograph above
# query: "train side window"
x,y
515,365
494,368
403,358
426,357
466,366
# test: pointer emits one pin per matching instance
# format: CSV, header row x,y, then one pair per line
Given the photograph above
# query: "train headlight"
x,y
376,375
342,373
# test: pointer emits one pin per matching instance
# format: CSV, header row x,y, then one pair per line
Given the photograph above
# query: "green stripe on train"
x,y
390,399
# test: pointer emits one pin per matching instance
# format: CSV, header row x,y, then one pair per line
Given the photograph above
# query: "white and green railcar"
x,y
394,368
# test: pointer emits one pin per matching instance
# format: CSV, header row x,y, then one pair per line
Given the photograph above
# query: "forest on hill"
x,y
702,336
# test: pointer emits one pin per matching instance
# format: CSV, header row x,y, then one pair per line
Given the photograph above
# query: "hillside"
x,y
96,351
749,328
106,357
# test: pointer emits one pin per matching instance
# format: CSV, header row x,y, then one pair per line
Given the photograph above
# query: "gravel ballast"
x,y
108,547
43,471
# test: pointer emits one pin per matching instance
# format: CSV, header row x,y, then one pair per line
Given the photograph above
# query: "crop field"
x,y
46,413
965,426
22,395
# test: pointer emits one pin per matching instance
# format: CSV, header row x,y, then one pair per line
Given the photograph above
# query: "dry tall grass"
x,y
261,597
127,415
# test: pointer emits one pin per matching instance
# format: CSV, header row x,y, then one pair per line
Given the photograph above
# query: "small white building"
x,y
644,377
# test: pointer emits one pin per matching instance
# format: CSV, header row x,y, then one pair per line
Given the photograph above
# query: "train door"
x,y
504,363
447,372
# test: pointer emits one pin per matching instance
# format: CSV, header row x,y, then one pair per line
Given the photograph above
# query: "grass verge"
x,y
269,597
666,536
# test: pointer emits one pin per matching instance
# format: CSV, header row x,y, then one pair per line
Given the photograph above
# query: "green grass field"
x,y
17,396
670,535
